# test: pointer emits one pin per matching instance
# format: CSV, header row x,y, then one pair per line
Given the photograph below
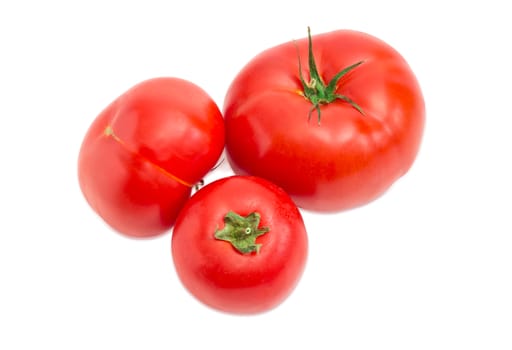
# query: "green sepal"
x,y
316,91
242,231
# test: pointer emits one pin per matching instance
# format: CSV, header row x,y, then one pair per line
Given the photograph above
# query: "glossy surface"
x,y
348,159
143,153
214,271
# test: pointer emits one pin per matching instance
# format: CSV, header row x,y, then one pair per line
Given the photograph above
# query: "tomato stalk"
x,y
242,231
316,91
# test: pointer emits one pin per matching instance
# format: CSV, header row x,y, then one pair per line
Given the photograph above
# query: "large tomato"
x,y
335,132
240,245
144,152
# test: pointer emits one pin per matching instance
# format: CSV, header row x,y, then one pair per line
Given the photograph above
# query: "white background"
x,y
426,266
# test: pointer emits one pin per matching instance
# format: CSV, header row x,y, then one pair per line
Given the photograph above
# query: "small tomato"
x,y
240,245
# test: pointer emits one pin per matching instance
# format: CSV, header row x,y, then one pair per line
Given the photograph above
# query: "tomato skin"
x,y
144,151
214,271
347,159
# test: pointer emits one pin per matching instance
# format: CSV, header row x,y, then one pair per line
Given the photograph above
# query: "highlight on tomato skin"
x,y
334,119
239,245
145,151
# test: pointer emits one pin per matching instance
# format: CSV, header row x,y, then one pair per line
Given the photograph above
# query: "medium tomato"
x,y
144,152
240,245
335,134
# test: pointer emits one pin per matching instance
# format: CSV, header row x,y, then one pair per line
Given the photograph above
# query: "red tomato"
x,y
334,133
240,245
145,151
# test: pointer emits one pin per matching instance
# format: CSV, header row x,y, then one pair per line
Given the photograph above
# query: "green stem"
x,y
242,231
316,91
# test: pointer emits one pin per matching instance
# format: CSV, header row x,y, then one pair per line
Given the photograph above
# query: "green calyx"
x,y
242,231
319,93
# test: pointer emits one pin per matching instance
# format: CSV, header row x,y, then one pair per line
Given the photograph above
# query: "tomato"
x,y
240,245
335,133
144,152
